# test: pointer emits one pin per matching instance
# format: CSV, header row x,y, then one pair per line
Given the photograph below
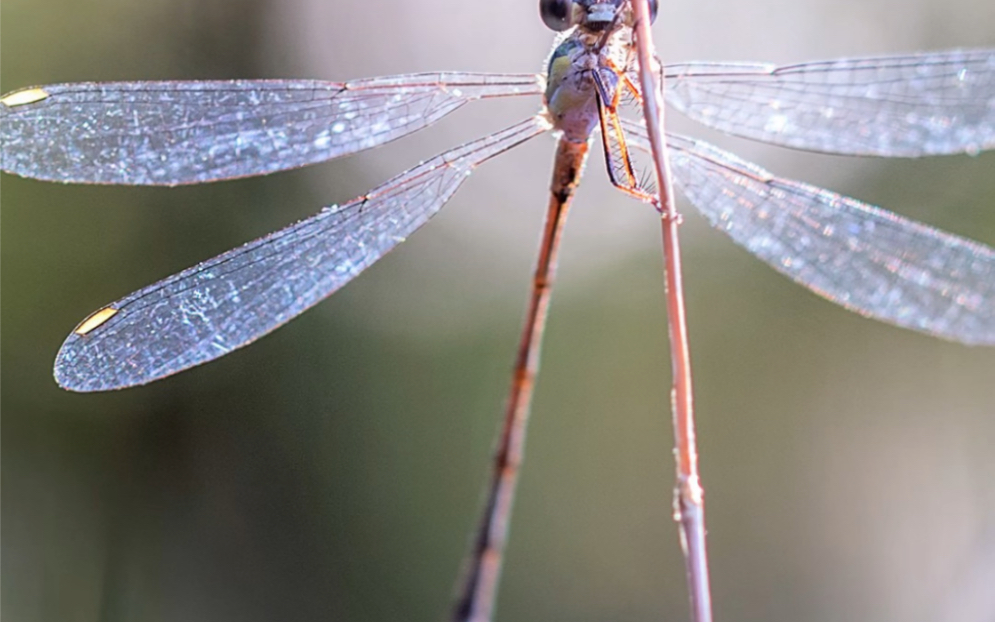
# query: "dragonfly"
x,y
167,133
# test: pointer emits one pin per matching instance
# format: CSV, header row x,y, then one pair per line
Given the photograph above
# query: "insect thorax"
x,y
571,95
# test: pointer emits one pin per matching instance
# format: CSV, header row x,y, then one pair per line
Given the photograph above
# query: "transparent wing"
x,y
864,258
167,133
224,303
904,106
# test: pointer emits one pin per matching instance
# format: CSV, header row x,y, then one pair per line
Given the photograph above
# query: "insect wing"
x,y
227,302
900,106
168,133
867,259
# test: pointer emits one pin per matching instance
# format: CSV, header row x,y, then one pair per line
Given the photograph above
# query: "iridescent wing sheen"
x,y
898,106
168,133
867,259
227,302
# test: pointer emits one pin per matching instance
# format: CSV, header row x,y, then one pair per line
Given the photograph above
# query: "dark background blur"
x,y
333,470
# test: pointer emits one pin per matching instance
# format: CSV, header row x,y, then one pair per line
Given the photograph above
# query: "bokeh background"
x,y
333,470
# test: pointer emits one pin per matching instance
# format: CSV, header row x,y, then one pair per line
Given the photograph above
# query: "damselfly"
x,y
167,133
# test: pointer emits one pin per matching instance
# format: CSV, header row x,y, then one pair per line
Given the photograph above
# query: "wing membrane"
x,y
168,133
224,303
900,106
867,259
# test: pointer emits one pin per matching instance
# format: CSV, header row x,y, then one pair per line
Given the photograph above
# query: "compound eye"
x,y
556,13
654,5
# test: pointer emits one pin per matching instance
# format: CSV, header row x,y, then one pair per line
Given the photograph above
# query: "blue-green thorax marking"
x,y
571,94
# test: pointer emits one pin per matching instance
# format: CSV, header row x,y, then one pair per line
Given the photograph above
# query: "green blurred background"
x,y
333,470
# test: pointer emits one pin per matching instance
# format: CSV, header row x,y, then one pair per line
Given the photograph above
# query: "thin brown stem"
x,y
482,569
689,507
